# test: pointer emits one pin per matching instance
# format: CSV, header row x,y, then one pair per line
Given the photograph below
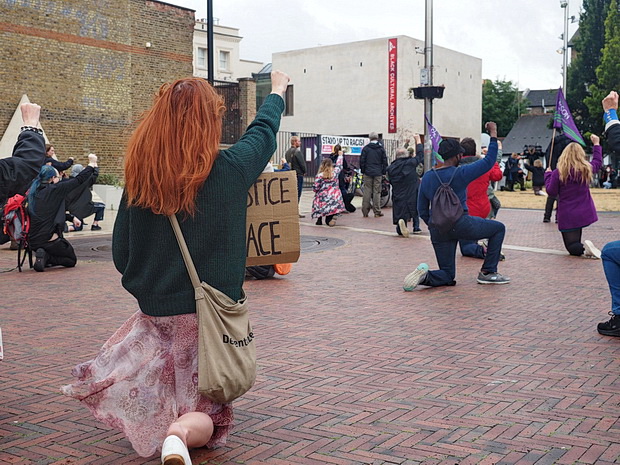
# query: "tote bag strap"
x,y
187,258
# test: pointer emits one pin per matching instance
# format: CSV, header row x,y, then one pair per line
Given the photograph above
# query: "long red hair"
x,y
172,151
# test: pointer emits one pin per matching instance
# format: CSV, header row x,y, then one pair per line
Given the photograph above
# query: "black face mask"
x,y
458,160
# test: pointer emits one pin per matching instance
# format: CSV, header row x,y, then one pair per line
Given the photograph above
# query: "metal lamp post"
x,y
564,5
210,74
428,66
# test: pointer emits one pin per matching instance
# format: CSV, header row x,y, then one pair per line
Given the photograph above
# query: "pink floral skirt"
x,y
144,378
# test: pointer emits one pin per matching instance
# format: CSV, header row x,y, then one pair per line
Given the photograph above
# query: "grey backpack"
x,y
446,207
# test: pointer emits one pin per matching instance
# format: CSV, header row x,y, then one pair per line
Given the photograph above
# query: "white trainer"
x,y
403,228
591,251
174,452
414,278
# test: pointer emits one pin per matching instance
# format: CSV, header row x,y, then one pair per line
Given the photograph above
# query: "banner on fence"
x,y
350,145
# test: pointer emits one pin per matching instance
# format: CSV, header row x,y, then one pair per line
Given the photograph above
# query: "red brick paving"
x,y
352,370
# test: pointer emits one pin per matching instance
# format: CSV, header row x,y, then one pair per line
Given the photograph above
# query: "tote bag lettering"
x,y
226,350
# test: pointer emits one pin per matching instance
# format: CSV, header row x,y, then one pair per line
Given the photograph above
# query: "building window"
x,y
224,61
288,101
201,58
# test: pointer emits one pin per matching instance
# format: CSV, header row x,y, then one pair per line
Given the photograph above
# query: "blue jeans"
x,y
467,227
300,185
611,264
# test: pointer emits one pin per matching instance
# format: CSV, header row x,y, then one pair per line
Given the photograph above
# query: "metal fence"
x,y
311,150
231,124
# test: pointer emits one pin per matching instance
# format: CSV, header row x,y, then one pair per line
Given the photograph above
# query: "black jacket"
x,y
405,181
613,137
47,215
538,175
294,158
18,171
59,165
373,161
79,202
559,144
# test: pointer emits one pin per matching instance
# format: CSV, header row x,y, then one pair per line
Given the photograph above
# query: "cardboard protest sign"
x,y
272,227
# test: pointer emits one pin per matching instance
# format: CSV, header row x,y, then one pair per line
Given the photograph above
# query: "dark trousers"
x,y
549,207
467,227
99,210
517,180
59,252
572,241
471,248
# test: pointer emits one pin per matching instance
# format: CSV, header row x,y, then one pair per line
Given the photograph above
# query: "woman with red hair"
x,y
144,379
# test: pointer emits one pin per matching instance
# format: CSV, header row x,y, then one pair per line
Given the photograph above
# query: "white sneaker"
x,y
591,251
403,228
414,278
174,452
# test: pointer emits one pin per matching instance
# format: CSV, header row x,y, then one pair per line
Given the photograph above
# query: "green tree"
x,y
501,102
608,72
588,45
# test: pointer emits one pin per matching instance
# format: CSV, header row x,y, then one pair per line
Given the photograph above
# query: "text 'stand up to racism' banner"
x,y
273,220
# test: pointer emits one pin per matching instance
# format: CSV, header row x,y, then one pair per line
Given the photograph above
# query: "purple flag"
x,y
435,139
562,119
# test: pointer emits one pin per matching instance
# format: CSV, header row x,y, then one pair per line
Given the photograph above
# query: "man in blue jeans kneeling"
x,y
610,255
467,227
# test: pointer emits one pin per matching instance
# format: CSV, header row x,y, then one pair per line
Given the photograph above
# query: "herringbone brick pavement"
x,y
352,370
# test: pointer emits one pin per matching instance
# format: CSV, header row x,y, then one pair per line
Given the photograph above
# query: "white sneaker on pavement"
x,y
591,251
174,452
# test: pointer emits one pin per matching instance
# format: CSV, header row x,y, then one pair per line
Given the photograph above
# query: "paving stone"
x,y
352,370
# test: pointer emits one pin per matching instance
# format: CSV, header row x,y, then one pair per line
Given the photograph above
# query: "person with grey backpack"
x,y
442,204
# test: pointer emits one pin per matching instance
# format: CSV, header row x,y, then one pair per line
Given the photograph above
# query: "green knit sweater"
x,y
145,249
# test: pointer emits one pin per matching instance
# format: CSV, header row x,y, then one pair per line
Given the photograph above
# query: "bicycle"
x,y
356,186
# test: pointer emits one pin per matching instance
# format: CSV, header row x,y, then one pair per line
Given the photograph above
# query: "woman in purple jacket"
x,y
570,183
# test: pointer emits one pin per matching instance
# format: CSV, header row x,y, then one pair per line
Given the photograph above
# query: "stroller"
x,y
350,182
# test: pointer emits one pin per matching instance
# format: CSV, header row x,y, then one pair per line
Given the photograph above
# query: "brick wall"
x,y
247,101
86,63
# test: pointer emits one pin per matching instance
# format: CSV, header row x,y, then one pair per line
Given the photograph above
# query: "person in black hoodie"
x,y
18,171
405,182
79,201
373,163
46,206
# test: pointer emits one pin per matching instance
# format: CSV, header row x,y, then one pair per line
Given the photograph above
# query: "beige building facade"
x,y
228,66
359,87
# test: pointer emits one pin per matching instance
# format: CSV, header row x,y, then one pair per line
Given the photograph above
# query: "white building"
x,y
345,89
227,64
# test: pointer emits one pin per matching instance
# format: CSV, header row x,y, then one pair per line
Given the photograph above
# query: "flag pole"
x,y
552,142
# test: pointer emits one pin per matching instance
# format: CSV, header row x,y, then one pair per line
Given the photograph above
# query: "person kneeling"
x,y
46,206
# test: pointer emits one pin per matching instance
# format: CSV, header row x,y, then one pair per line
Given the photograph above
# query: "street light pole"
x,y
210,74
564,5
428,65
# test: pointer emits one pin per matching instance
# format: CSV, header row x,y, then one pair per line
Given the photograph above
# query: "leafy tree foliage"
x,y
582,71
608,72
502,103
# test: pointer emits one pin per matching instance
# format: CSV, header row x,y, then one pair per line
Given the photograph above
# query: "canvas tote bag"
x,y
226,350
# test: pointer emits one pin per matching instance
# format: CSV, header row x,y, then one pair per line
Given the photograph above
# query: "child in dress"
x,y
327,196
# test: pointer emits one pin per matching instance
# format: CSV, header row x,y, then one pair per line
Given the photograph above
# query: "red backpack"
x,y
16,224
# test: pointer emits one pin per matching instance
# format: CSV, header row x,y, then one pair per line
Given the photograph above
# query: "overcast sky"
x,y
517,40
